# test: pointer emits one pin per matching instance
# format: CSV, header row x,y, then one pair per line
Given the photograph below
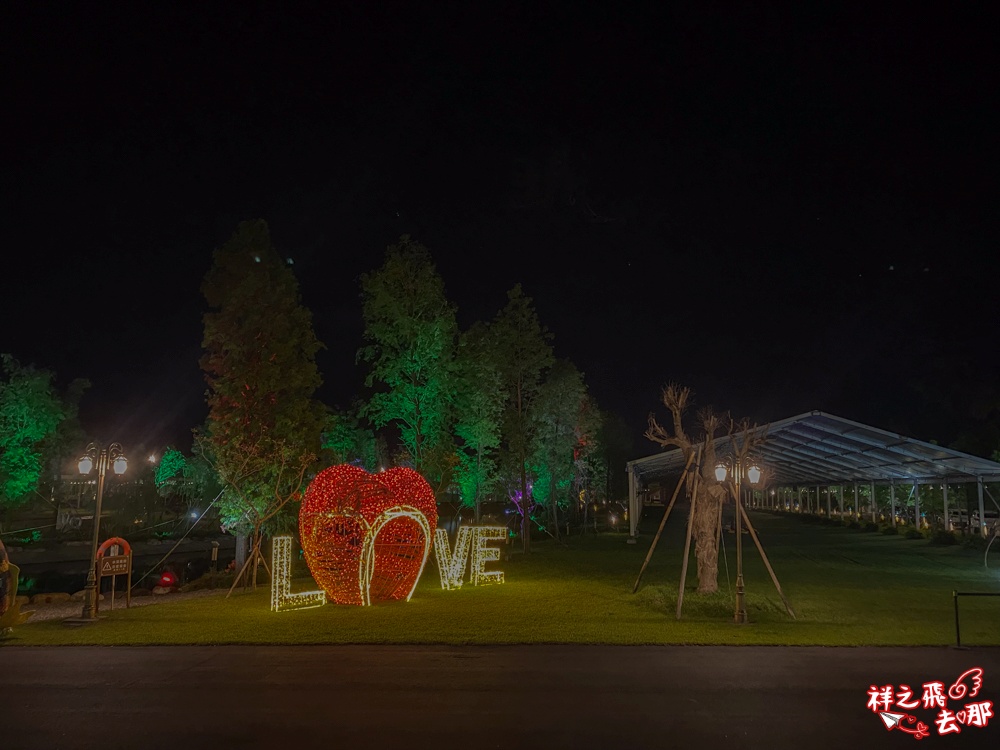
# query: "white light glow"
x,y
282,598
368,546
482,554
720,472
451,565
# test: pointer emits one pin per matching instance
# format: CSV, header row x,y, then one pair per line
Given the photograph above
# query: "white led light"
x,y
452,565
482,554
368,546
282,598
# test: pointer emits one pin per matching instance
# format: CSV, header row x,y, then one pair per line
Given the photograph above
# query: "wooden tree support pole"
x,y
687,539
239,576
663,522
767,563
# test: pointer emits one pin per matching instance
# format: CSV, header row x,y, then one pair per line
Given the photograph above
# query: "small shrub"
x,y
871,526
943,537
890,530
914,534
853,525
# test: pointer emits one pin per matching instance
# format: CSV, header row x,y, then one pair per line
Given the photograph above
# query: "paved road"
x,y
188,698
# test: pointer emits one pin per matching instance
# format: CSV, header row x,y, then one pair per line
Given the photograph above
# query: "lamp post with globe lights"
x,y
739,470
114,456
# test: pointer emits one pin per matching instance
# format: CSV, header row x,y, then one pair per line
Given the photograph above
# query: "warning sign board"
x,y
118,565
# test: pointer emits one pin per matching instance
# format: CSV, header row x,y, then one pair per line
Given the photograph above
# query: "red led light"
x,y
366,536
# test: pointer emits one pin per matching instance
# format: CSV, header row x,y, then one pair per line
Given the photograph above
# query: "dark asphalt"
x,y
189,698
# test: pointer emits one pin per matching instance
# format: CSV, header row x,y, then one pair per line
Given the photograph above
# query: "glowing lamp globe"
x,y
85,465
753,474
120,465
720,472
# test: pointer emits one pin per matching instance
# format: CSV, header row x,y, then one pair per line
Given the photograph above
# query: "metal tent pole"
x,y
633,510
982,508
947,517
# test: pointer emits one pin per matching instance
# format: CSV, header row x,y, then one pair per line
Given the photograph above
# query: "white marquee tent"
x,y
818,449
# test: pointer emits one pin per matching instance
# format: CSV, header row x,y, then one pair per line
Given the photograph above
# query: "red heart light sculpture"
x,y
366,536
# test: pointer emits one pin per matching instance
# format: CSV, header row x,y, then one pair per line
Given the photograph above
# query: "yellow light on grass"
x,y
282,598
451,565
482,554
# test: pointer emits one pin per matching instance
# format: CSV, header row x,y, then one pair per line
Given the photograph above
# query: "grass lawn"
x,y
848,588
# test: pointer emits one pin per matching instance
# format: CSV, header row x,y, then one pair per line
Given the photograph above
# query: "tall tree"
x,y
264,424
410,331
34,419
524,353
588,462
346,440
560,408
612,447
479,404
191,478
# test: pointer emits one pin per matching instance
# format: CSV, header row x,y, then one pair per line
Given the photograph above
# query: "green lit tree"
x,y
410,332
32,414
191,478
523,354
264,424
479,404
346,440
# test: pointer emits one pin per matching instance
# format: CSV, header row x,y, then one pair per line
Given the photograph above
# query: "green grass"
x,y
847,588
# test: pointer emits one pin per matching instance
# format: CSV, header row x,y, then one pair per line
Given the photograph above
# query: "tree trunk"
x,y
479,475
255,563
706,544
241,551
525,521
552,500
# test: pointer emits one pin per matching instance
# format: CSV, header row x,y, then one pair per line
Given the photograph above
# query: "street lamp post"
x,y
102,457
752,473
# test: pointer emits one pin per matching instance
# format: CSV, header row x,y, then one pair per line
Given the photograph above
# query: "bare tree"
x,y
707,520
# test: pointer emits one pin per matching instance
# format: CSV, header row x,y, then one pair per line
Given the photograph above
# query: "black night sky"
x,y
786,209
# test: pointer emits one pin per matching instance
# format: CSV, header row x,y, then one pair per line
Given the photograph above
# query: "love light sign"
x,y
366,537
452,563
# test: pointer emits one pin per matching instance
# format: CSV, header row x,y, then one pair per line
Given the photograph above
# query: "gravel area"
x,y
64,610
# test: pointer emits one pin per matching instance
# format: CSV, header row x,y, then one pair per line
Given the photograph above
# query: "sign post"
x,y
114,565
